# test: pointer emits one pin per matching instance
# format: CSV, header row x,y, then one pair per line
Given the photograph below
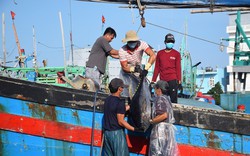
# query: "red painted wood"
x,y
49,129
79,134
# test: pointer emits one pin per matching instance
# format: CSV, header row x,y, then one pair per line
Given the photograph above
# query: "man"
x,y
115,143
130,56
101,49
168,65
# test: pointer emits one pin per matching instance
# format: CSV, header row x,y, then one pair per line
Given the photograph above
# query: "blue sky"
x,y
87,26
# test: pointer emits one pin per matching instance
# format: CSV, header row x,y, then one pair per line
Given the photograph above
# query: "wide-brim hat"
x,y
130,36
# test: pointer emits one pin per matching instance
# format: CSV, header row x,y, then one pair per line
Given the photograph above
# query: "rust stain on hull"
x,y
213,140
43,111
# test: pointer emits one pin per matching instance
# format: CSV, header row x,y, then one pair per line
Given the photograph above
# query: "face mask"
x,y
132,45
169,45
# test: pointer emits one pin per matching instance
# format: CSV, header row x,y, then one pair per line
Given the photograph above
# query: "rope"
x,y
195,37
93,125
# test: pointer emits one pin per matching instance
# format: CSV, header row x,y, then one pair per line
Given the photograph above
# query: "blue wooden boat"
x,y
44,119
41,119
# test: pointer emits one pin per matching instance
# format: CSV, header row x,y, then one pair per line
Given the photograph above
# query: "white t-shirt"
x,y
134,57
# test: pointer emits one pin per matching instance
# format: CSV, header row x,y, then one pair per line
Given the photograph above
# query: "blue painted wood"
x,y
26,145
246,144
66,115
213,139
185,135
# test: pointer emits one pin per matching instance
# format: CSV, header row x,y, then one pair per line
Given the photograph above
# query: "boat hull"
x,y
49,120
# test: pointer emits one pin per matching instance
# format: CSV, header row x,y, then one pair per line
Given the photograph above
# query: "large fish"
x,y
140,107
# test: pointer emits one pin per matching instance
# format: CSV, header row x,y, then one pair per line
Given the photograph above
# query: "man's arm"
x,y
151,59
126,67
114,53
156,70
124,123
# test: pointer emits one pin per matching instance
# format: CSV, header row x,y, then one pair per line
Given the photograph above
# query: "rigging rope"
x,y
195,37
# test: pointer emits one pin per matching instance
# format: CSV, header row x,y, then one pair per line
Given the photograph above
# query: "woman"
x,y
162,138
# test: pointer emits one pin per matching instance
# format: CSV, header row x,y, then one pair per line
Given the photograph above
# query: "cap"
x,y
163,85
130,36
169,38
116,83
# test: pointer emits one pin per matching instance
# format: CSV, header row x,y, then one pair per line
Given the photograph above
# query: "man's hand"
x,y
136,129
144,73
151,121
138,69
152,84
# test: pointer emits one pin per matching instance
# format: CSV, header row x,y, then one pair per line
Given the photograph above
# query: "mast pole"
x,y
71,37
3,36
34,45
63,44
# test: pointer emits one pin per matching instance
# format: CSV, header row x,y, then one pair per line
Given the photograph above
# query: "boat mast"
x,y
71,38
3,36
34,45
63,44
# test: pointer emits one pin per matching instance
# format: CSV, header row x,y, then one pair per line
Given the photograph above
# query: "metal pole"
x,y
93,125
34,45
63,44
3,36
71,37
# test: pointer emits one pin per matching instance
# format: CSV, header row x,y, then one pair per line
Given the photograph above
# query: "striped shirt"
x,y
133,57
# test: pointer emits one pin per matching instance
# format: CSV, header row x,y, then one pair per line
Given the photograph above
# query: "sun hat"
x,y
130,36
169,38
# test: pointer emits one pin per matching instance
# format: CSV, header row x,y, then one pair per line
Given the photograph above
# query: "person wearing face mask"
x,y
168,65
130,56
162,137
114,123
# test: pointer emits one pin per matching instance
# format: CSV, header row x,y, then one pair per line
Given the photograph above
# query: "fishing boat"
x,y
44,119
47,119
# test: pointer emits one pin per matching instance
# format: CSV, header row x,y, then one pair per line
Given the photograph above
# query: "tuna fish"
x,y
140,108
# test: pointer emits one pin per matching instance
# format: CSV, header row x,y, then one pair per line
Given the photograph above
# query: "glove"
x,y
138,129
151,121
148,65
144,73
132,69
152,84
151,87
138,69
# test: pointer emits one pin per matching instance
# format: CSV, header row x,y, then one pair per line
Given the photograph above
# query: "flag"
x,y
12,14
103,19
